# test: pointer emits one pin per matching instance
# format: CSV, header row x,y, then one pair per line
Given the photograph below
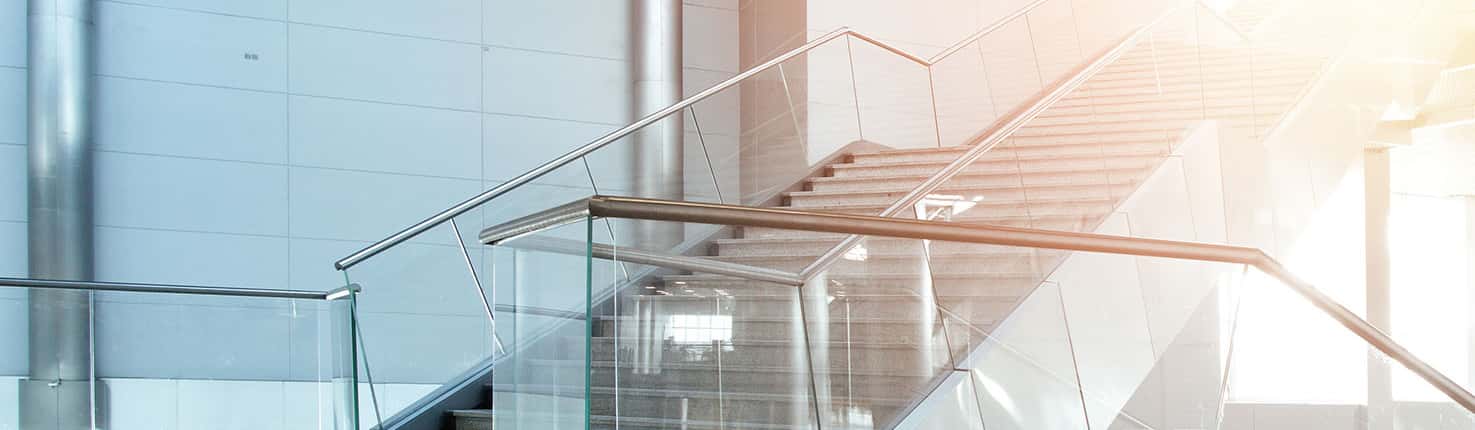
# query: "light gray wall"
x,y
253,143
12,183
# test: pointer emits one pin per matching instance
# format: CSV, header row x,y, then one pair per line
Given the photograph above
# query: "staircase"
x,y
728,353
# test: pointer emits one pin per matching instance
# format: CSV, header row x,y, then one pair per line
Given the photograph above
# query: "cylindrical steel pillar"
x,y
656,160
58,393
1378,195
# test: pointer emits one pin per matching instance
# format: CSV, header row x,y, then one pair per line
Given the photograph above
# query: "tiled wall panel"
x,y
253,143
12,105
190,47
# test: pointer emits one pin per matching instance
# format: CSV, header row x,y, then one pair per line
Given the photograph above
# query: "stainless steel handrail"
x,y
706,213
176,289
622,132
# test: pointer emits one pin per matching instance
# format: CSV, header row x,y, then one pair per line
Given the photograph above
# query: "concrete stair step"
x,y
661,409
704,371
1084,115
868,292
1085,183
773,419
1058,223
1154,88
877,245
610,422
1142,61
1150,95
1147,53
1011,150
1104,136
1167,127
724,411
1002,165
1004,268
473,419
957,280
874,256
1184,102
858,328
1211,78
790,352
991,196
1000,203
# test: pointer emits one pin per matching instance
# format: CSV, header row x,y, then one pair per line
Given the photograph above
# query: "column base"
x,y
51,405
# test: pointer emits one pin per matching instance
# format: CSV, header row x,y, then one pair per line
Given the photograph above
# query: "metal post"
x,y
1470,286
656,160
59,392
1377,193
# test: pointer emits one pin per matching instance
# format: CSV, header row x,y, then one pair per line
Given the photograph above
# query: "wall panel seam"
x,y
290,22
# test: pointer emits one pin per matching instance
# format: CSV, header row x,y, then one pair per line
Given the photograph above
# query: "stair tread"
x,y
741,343
474,413
680,392
868,275
729,423
1146,124
1123,78
759,319
971,217
956,151
831,241
1109,178
1119,154
982,203
879,178
725,367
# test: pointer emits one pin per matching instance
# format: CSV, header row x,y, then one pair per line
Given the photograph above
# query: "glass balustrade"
x,y
1053,118
161,358
1103,341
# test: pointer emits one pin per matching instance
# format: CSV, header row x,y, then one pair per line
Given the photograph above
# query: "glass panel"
x,y
1229,72
164,360
542,303
570,182
1012,64
982,285
1023,371
345,352
965,101
875,337
421,286
895,98
796,118
952,406
1067,168
1185,386
1053,30
691,349
766,134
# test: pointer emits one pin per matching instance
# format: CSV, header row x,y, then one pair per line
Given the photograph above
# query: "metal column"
x,y
58,393
656,160
1378,195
